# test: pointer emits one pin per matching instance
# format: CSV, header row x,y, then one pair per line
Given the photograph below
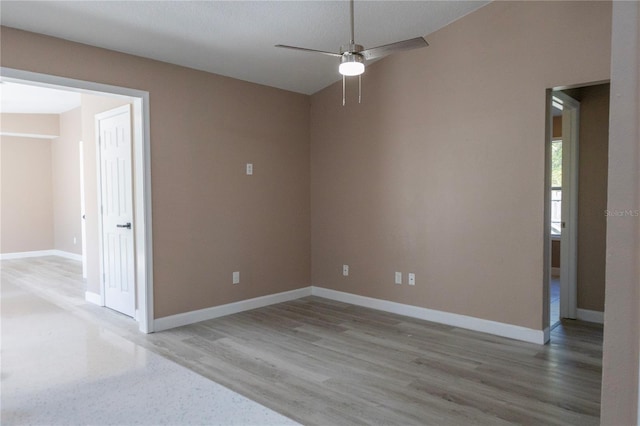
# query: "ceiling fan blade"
x,y
380,51
304,49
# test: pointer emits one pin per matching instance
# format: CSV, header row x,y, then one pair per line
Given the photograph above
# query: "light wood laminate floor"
x,y
322,362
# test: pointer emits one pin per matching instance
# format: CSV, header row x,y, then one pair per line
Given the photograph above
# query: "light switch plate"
x,y
236,277
398,277
345,270
412,278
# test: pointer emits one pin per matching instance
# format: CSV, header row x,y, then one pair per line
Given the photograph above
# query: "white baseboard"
x,y
590,316
456,320
92,297
555,271
178,320
40,253
26,254
68,255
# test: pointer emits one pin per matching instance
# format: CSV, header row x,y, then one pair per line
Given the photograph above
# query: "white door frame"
x,y
83,223
141,175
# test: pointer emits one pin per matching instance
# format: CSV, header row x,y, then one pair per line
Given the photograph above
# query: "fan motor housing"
x,y
351,57
351,48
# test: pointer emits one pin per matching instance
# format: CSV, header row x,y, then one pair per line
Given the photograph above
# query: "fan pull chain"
x,y
343,89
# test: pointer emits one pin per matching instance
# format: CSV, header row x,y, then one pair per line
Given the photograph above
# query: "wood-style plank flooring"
x,y
322,362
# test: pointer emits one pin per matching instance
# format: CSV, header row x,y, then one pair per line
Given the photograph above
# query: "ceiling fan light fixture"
x,y
353,55
351,64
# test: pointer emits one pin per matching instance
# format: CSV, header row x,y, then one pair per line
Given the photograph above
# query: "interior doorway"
x,y
575,222
140,253
564,203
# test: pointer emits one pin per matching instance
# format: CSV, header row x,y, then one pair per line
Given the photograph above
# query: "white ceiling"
x,y
237,38
24,99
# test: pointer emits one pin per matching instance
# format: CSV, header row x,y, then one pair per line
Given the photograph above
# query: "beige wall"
x,y
425,176
620,376
26,210
592,195
47,170
209,218
555,253
65,158
30,124
557,126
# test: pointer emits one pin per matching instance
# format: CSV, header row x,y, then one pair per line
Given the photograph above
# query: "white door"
x,y
118,266
569,209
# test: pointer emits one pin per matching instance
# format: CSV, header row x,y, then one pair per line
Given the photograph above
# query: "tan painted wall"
x,y
621,356
92,105
209,218
31,124
425,176
592,195
65,158
26,211
557,126
555,253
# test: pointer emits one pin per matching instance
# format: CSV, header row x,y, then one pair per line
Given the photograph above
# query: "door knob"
x,y
126,225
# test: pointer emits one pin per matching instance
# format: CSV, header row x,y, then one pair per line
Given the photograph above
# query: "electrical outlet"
x,y
412,278
249,168
236,277
398,277
345,270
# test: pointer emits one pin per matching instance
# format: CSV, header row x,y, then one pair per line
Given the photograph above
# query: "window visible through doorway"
x,y
556,187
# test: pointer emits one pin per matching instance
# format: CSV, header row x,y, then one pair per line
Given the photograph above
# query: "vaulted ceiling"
x,y
237,38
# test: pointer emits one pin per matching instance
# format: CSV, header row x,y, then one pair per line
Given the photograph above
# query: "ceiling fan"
x,y
353,56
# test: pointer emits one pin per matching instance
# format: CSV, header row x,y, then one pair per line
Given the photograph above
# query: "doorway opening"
x,y
576,184
139,258
564,204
